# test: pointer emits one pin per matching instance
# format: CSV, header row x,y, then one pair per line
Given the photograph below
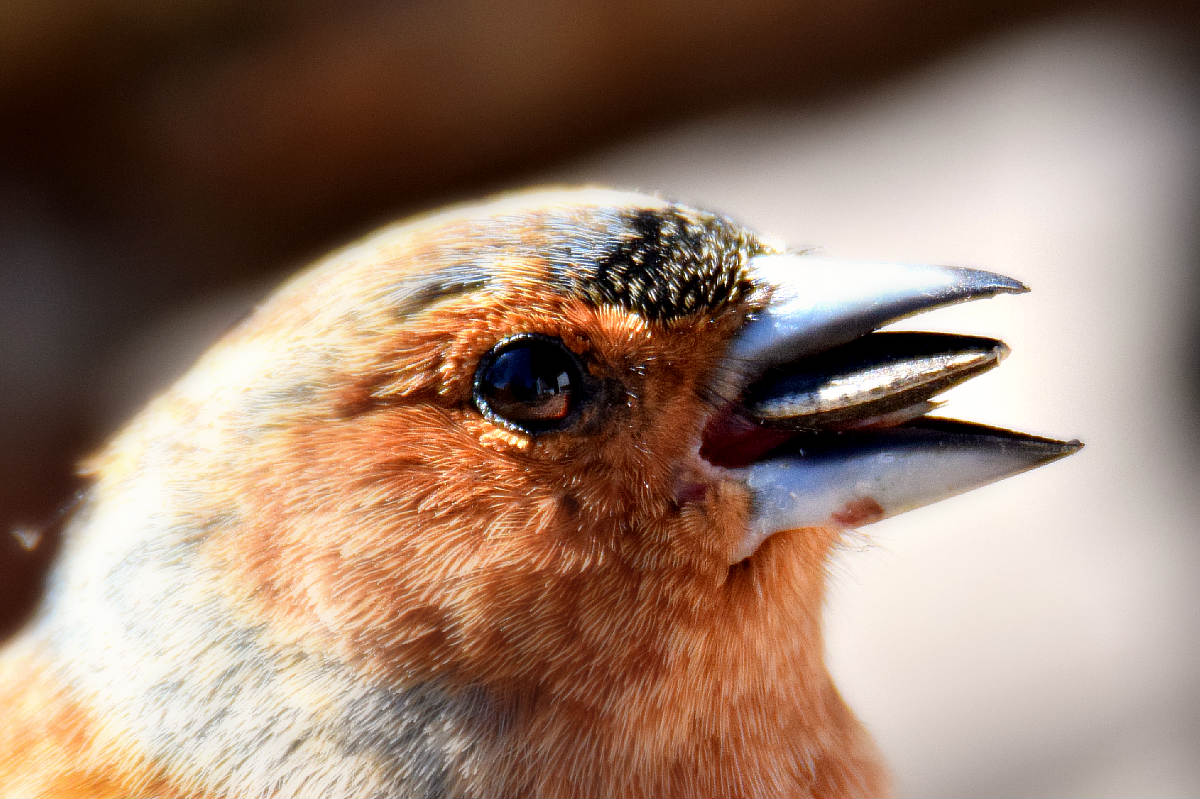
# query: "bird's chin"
x,y
829,426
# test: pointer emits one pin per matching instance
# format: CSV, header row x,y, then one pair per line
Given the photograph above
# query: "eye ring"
x,y
530,383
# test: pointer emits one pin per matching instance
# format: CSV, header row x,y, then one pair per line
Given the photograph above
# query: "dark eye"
x,y
530,382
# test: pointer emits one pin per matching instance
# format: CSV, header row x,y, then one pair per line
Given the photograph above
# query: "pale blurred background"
x,y
166,164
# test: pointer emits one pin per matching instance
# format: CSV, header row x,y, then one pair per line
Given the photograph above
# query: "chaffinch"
x,y
531,497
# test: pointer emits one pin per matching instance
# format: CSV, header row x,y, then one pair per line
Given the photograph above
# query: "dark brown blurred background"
x,y
165,163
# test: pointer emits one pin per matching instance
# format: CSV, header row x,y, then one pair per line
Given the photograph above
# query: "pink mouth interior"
x,y
732,441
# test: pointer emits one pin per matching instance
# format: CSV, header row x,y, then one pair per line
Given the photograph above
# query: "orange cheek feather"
x,y
516,566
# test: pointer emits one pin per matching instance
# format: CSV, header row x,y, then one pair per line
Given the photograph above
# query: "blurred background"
x,y
166,163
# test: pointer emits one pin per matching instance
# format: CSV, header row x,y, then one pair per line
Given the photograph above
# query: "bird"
x,y
529,496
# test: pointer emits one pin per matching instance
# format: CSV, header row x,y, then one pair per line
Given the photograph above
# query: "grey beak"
x,y
834,413
851,479
819,302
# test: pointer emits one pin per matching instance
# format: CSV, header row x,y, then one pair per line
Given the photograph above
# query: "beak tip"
x,y
1011,452
989,283
1071,447
1064,447
1038,451
1016,286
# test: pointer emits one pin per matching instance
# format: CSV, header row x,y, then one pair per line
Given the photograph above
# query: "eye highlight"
x,y
529,382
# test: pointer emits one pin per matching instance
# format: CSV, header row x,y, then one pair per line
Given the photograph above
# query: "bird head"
x,y
580,455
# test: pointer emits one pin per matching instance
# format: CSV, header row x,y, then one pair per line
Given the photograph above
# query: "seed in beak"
x,y
875,377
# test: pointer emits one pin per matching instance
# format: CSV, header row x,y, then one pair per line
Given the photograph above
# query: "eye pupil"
x,y
530,382
522,381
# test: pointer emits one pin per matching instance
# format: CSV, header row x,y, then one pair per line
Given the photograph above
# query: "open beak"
x,y
829,424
